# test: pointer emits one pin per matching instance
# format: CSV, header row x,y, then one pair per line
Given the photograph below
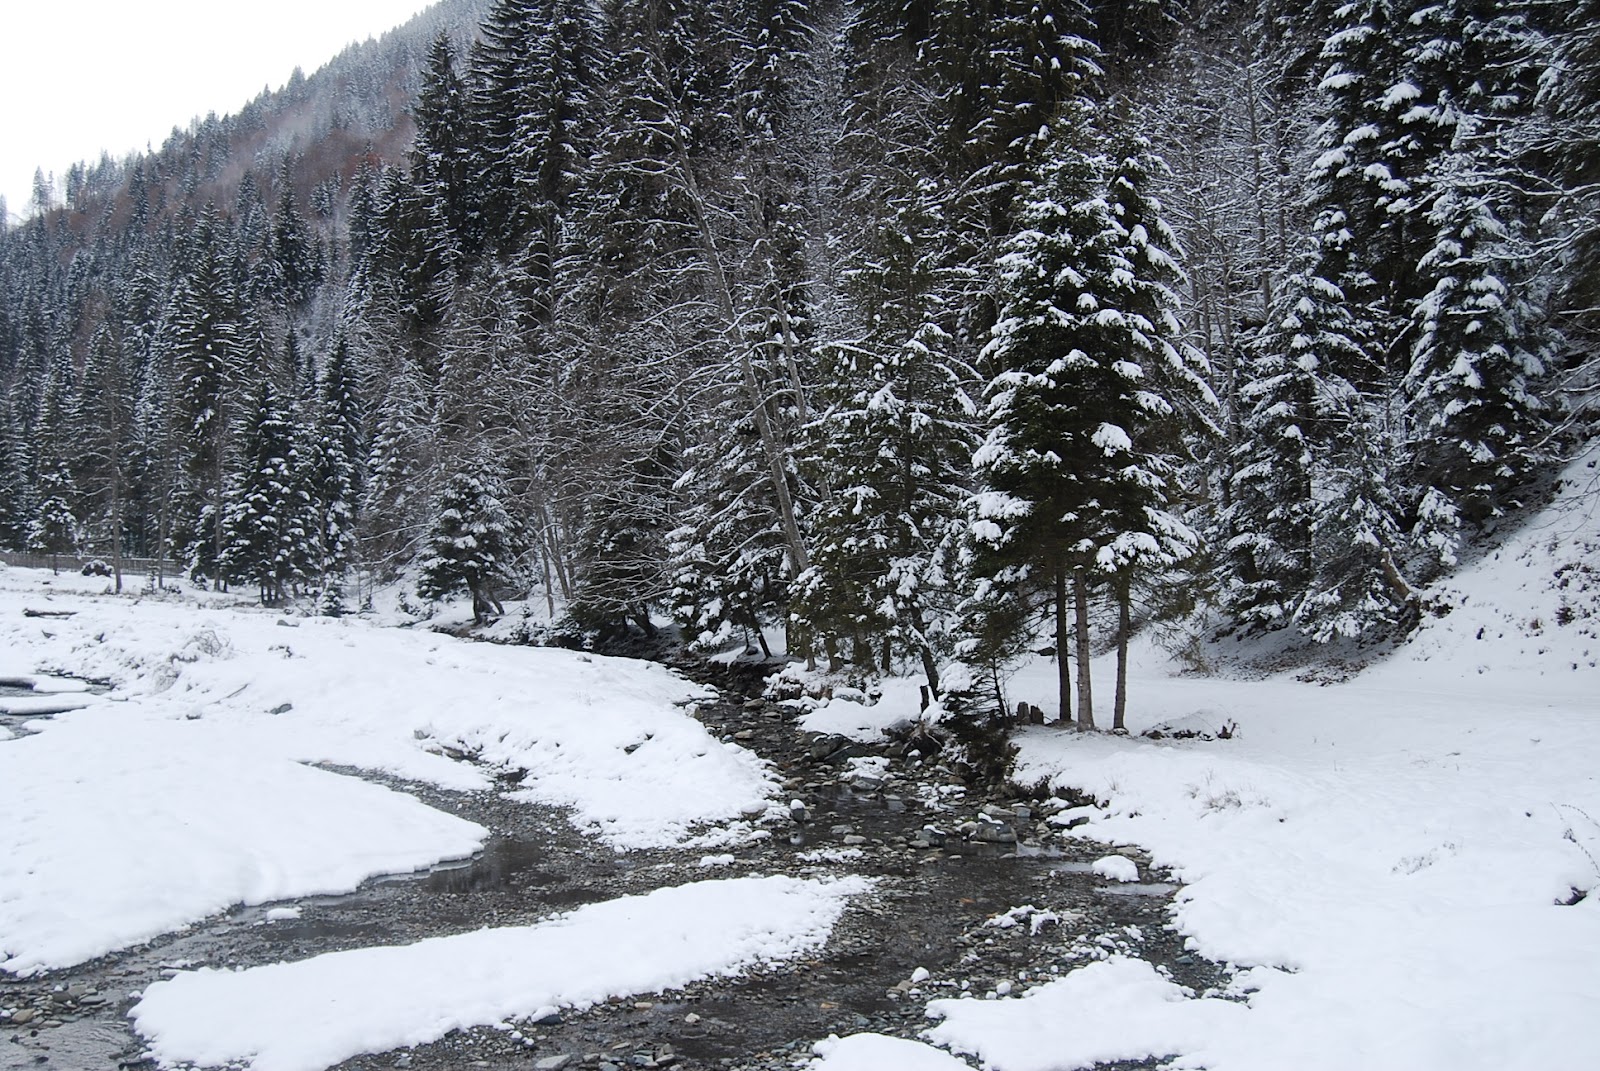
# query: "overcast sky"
x,y
117,75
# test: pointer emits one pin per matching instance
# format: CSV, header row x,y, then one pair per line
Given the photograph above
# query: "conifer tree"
x,y
472,543
1093,392
1476,368
205,345
104,423
267,543
895,449
54,530
443,159
16,515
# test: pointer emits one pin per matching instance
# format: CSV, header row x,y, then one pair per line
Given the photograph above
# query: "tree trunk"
x,y
1063,670
1080,598
116,522
1124,626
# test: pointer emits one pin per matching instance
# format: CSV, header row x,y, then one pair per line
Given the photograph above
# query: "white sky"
x,y
115,75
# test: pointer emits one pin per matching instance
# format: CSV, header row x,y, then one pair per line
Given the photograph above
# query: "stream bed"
x,y
981,916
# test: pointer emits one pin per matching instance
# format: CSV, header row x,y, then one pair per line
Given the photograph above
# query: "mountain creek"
x,y
974,894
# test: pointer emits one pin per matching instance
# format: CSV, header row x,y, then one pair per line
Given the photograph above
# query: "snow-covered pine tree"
x,y
1091,394
294,260
1147,529
1477,366
895,446
104,427
266,541
443,157
16,512
332,480
1286,409
54,530
1561,148
472,542
204,343
510,61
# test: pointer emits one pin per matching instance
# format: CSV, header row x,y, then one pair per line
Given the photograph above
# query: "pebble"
x,y
555,1063
854,839
25,1015
691,1018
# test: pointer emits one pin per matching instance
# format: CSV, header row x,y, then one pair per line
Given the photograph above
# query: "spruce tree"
x,y
104,423
54,530
895,447
1092,393
1476,368
266,540
472,542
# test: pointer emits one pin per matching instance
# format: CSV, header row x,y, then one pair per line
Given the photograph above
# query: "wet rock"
x,y
23,1016
992,833
854,839
555,1063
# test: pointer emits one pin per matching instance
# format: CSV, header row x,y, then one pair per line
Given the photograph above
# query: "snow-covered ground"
x,y
184,789
1399,868
1387,861
309,1015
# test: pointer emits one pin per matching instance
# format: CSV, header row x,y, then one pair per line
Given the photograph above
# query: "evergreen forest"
x,y
920,333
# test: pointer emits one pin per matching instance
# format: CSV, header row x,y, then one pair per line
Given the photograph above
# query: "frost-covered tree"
x,y
1091,394
54,530
472,542
895,447
104,425
264,527
1477,364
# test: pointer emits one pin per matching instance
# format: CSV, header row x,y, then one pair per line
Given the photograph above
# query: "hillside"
x,y
910,333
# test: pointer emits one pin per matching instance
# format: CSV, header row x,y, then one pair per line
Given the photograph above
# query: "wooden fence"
x,y
131,567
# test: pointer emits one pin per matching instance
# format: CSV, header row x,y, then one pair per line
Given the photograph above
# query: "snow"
x,y
311,1014
1115,1009
185,789
118,830
1116,868
896,708
875,1052
24,705
1386,862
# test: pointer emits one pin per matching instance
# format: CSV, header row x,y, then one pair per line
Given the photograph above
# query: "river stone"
x,y
993,834
23,1015
555,1063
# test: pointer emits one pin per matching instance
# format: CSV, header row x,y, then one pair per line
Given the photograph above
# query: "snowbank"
x,y
312,1014
182,791
117,830
1388,858
1387,861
